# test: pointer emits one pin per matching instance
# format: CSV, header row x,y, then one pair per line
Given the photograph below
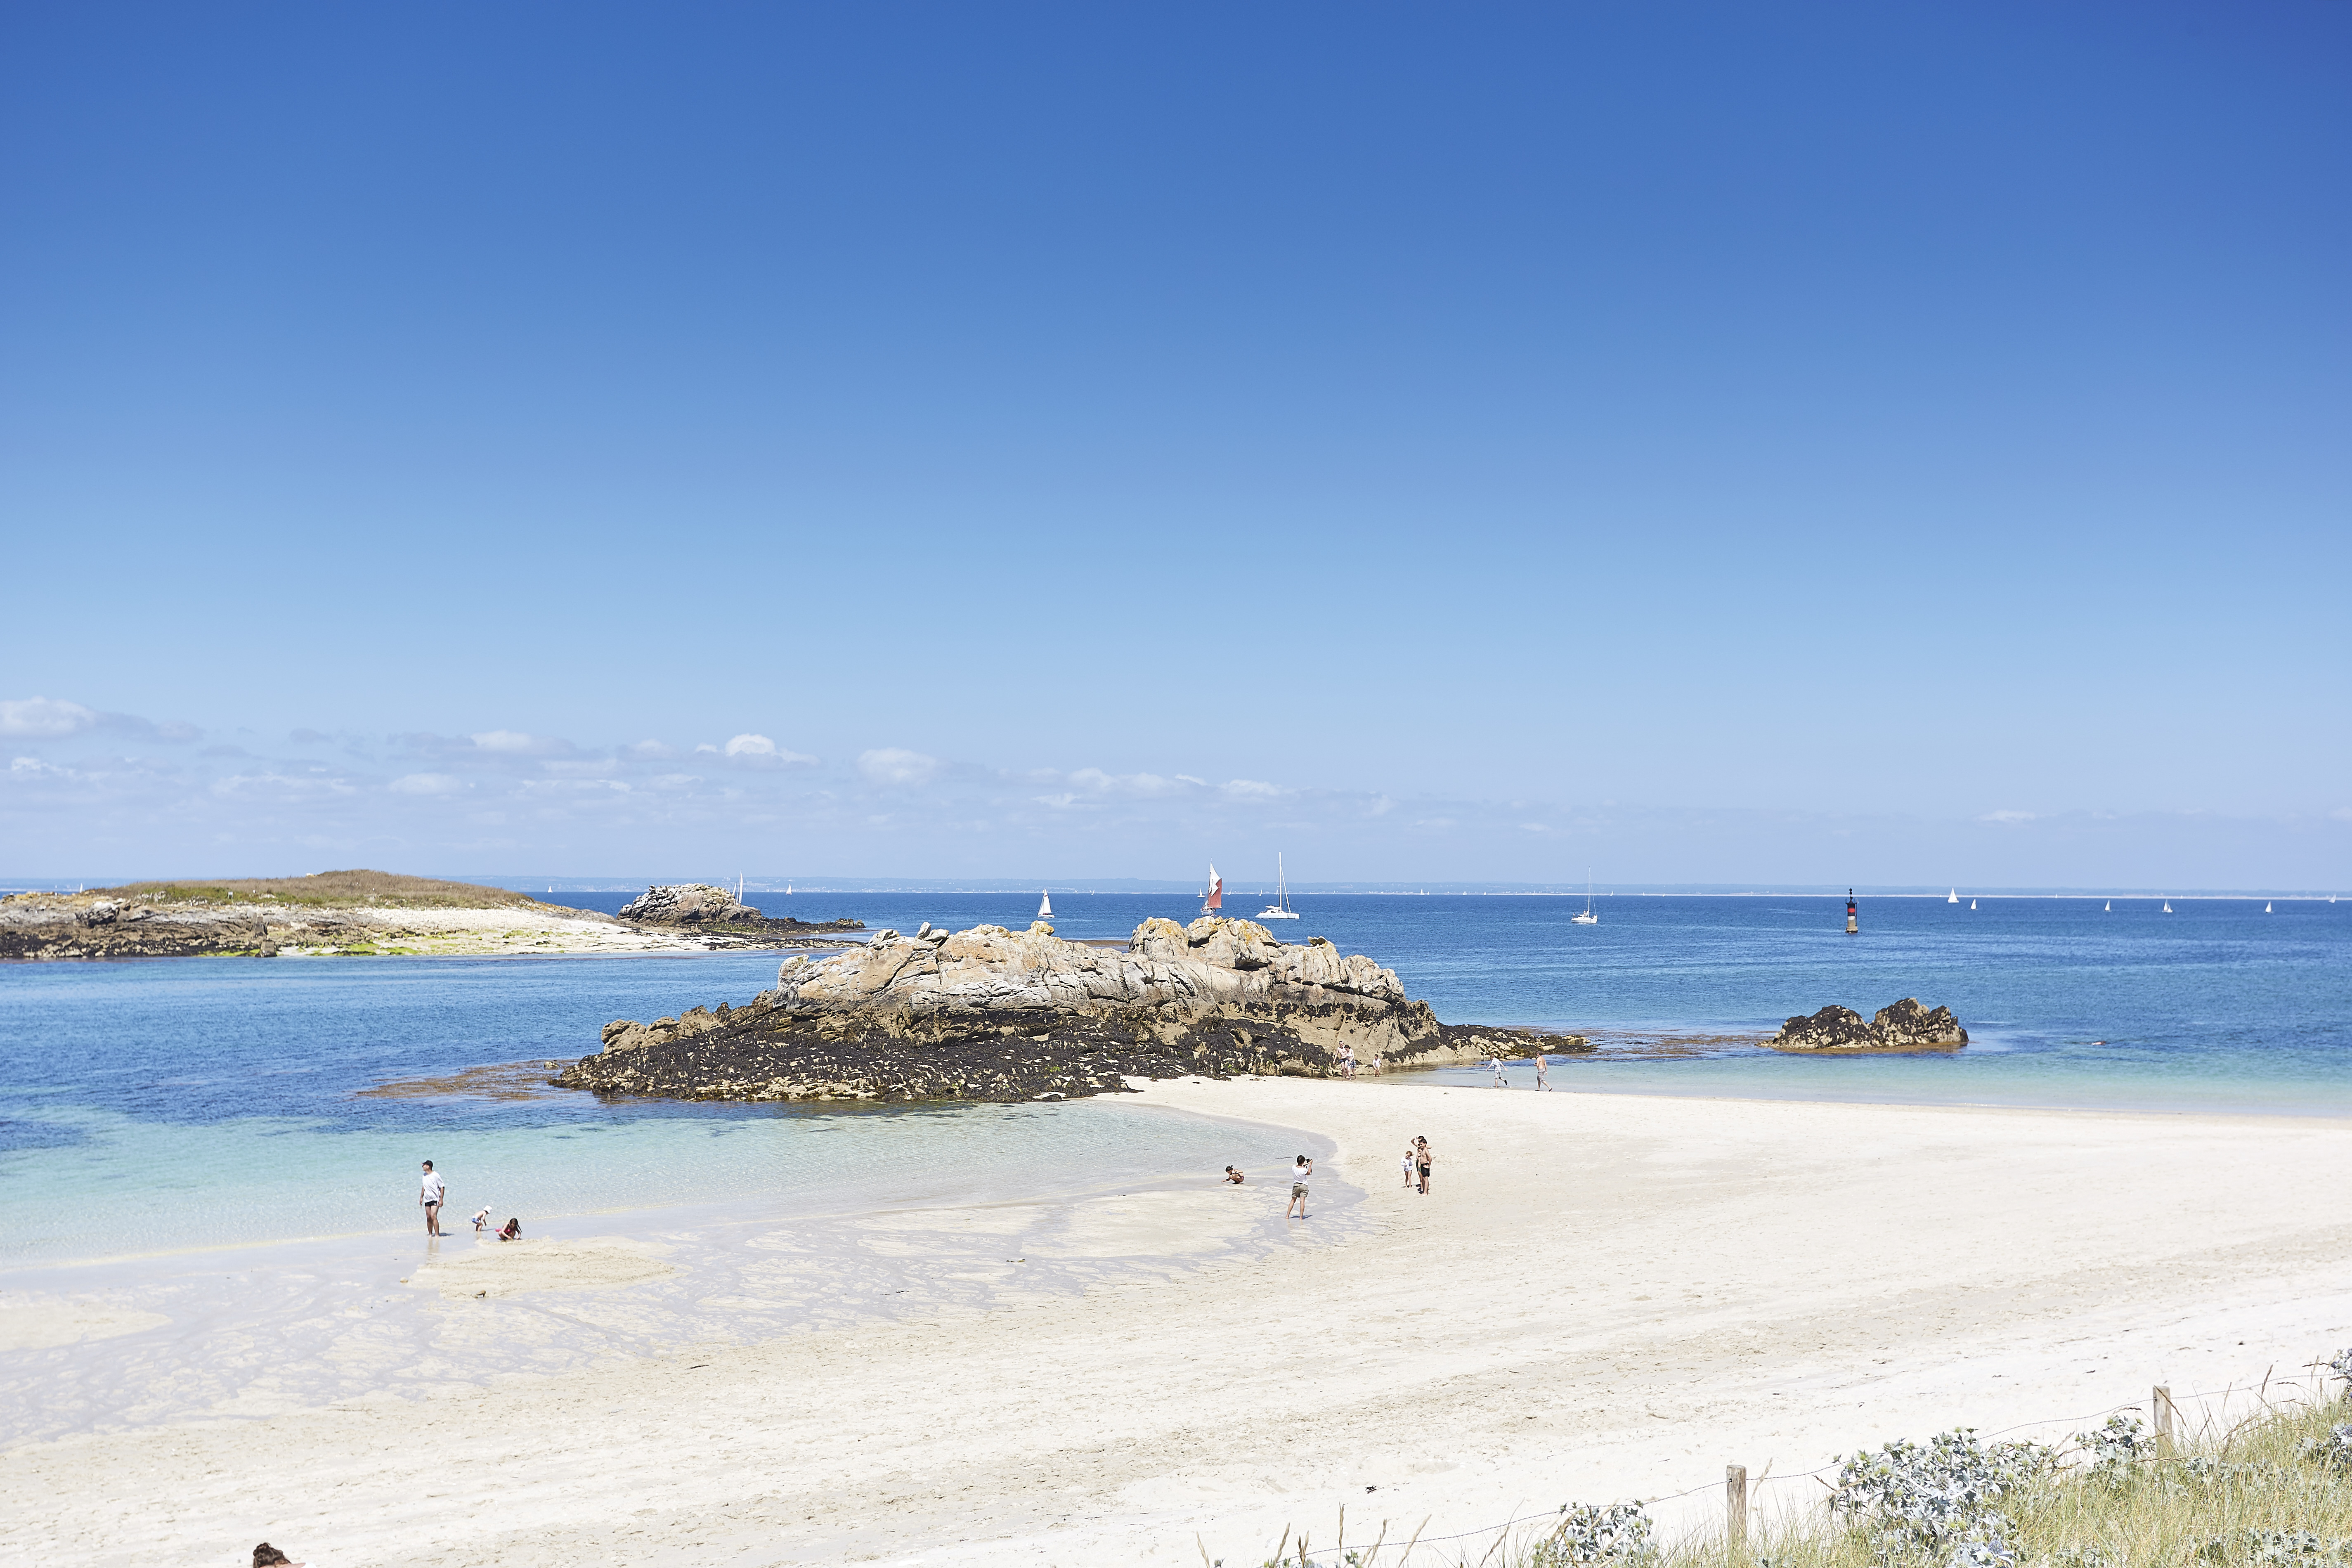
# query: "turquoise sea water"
x,y
172,1104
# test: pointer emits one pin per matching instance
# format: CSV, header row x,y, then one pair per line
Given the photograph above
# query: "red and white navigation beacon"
x,y
1853,926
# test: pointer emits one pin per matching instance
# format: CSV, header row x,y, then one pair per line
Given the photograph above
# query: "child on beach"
x,y
430,1192
1301,1168
513,1231
481,1220
1233,1175
1408,1165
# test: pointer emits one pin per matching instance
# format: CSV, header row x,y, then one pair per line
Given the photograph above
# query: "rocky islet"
x,y
1903,1025
990,1014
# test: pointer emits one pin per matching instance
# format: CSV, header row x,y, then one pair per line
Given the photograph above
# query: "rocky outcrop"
x,y
990,1014
1903,1026
699,906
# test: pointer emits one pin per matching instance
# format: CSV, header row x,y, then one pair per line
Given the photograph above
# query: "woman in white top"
x,y
1301,1168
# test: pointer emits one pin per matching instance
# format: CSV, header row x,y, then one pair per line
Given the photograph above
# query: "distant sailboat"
x,y
2168,906
1972,903
1588,918
1280,908
1216,899
1955,897
788,889
1044,905
2267,908
2111,907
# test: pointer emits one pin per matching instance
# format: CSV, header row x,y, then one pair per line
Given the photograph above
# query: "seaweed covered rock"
x,y
991,1014
1902,1026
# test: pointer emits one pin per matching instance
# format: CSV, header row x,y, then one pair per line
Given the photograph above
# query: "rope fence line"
x,y
1735,1483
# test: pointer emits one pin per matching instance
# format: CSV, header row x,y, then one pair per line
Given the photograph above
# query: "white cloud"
x,y
515,743
1058,801
1254,787
1096,782
2006,817
34,768
426,784
893,766
648,750
762,751
44,719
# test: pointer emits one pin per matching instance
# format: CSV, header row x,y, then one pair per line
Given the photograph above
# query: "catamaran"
x,y
1588,918
1216,897
1280,908
1044,905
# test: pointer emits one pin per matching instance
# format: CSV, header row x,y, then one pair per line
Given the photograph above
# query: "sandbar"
x,y
1605,1296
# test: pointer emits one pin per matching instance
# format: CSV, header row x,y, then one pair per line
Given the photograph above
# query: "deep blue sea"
x,y
153,1105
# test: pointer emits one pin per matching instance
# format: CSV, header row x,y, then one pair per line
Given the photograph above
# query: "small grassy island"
x,y
359,913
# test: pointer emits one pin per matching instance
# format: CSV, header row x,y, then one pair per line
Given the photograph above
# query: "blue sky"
x,y
1879,444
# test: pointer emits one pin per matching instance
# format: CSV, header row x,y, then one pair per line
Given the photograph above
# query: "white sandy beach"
x,y
1605,1296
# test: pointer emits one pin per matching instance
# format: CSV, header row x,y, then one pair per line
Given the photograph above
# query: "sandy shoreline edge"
x,y
1606,1295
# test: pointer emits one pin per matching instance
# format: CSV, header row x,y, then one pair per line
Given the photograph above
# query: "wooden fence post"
x,y
2160,1405
1735,1507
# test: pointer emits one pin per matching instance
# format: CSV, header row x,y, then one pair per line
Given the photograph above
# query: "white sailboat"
x,y
788,889
1588,918
1972,903
1280,908
2266,906
1955,897
2111,907
2168,906
1044,905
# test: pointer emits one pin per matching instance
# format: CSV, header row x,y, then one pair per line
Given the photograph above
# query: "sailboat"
x,y
1280,908
1955,897
2168,906
2110,909
788,889
2266,906
1972,903
1044,904
1216,899
1588,918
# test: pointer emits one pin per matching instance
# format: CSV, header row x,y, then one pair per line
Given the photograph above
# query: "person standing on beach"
x,y
1411,1159
1498,1074
1422,1159
1301,1168
1543,1070
430,1195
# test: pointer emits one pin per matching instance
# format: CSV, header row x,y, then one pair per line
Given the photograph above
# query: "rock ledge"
x,y
1903,1025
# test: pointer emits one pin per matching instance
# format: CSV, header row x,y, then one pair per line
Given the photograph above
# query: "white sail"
x,y
2111,906
1972,903
1954,898
2168,906
2267,908
1044,905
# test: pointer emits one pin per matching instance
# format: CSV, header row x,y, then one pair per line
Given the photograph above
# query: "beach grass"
x,y
2274,1489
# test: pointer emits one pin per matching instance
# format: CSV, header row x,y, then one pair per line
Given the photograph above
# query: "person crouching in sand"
x,y
1301,1168
268,1556
1233,1175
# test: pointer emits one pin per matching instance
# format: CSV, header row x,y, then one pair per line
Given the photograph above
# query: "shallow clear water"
x,y
149,1106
